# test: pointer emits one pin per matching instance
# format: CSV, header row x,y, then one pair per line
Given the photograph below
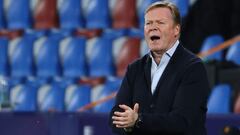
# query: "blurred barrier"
x,y
54,124
84,123
217,122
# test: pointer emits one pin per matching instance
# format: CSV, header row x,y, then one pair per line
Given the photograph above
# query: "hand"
x,y
127,118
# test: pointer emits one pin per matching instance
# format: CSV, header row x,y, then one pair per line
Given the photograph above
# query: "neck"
x,y
157,57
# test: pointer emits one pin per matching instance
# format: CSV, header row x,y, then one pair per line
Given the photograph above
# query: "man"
x,y
166,91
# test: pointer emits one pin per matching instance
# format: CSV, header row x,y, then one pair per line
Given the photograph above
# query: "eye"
x,y
147,23
161,22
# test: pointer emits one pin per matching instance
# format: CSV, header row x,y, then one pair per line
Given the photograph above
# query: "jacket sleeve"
x,y
189,104
124,96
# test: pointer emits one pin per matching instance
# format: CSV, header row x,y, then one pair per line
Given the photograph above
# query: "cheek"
x,y
145,31
146,35
168,34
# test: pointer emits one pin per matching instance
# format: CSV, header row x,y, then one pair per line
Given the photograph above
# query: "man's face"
x,y
159,30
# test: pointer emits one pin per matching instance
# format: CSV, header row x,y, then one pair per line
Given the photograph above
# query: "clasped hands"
x,y
127,118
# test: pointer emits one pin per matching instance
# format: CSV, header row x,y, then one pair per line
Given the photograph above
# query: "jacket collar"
x,y
170,68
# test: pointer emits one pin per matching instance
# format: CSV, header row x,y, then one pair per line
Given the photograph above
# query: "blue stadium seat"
x,y
210,42
138,33
183,6
98,14
47,57
73,58
4,56
100,59
19,14
33,81
76,97
115,33
35,34
70,14
21,57
220,99
142,5
66,32
23,98
58,34
110,86
143,48
233,53
50,97
2,16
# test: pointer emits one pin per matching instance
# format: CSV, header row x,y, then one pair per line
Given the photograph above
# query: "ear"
x,y
177,30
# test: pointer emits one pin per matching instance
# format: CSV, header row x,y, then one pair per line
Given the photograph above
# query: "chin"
x,y
157,49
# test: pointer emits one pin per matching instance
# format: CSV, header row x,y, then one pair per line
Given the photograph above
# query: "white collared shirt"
x,y
157,70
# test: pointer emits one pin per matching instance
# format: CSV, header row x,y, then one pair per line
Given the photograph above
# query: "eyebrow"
x,y
158,20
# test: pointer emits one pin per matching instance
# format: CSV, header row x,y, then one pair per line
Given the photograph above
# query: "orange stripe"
x,y
95,103
219,47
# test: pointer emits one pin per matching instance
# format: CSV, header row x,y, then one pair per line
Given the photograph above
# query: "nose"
x,y
153,26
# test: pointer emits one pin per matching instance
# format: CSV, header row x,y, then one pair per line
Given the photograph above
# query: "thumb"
x,y
136,108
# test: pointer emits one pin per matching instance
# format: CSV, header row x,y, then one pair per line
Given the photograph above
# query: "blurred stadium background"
x,y
62,61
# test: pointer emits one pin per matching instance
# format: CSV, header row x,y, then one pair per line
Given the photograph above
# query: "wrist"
x,y
128,129
139,121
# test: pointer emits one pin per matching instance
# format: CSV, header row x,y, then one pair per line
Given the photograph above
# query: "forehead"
x,y
158,13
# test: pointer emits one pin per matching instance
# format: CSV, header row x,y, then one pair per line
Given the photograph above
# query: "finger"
x,y
115,118
125,107
120,114
120,123
136,108
120,126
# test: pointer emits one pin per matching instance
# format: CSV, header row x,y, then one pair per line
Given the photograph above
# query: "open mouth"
x,y
153,38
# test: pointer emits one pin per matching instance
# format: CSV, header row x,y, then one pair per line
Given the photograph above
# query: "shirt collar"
x,y
171,51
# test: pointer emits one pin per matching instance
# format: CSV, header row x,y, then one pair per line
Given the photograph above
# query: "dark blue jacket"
x,y
179,104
